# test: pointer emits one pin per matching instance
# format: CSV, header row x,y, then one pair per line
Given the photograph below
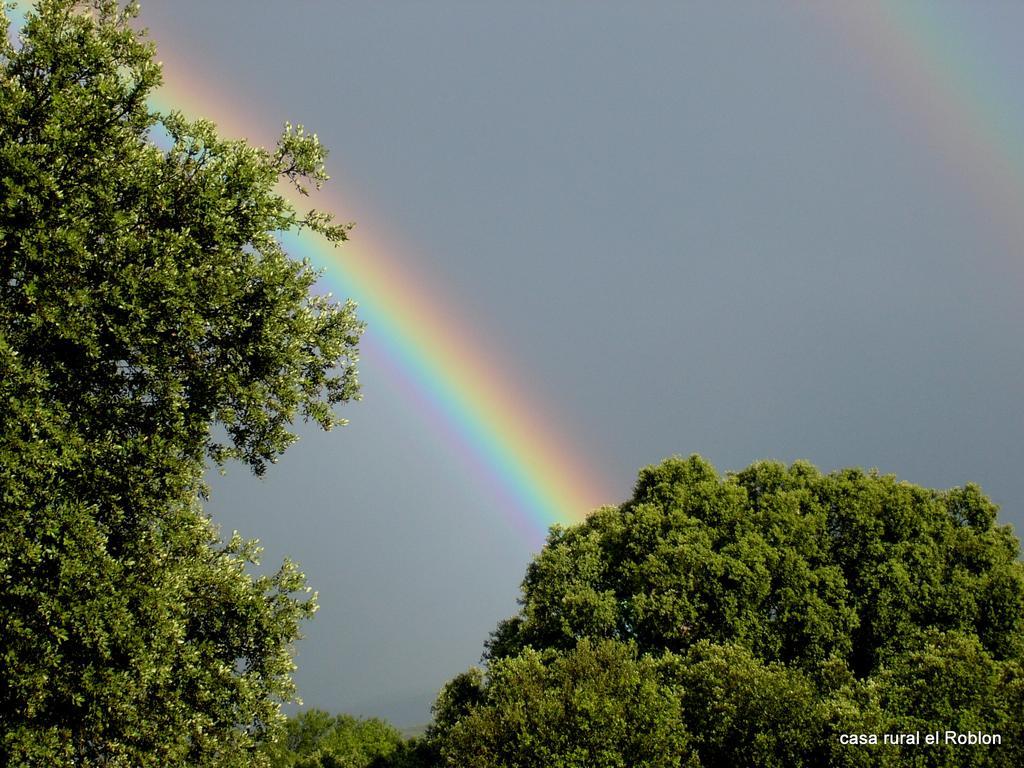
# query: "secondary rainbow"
x,y
932,72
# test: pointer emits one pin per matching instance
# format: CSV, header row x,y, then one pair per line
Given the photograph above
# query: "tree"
x,y
788,608
596,706
149,320
315,739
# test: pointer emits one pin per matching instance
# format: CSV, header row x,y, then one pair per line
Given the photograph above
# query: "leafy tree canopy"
x,y
149,320
598,706
315,739
782,608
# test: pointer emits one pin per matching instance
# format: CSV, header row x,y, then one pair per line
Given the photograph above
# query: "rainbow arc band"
x,y
506,441
914,49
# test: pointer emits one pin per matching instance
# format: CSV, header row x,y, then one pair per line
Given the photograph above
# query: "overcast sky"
x,y
719,228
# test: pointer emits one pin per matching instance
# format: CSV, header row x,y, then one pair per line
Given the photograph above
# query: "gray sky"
x,y
712,227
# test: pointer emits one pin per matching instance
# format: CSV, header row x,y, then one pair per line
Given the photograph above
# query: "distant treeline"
x,y
316,739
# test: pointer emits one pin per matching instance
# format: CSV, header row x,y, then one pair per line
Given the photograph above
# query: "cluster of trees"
x,y
315,739
753,619
150,322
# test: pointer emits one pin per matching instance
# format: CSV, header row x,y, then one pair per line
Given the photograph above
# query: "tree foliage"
x,y
149,320
315,739
596,706
783,608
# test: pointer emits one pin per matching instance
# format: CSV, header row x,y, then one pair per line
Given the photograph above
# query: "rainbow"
x,y
498,430
501,433
953,105
504,437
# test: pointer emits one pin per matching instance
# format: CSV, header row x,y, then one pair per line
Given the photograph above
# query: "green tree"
x,y
149,320
595,706
791,608
315,739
